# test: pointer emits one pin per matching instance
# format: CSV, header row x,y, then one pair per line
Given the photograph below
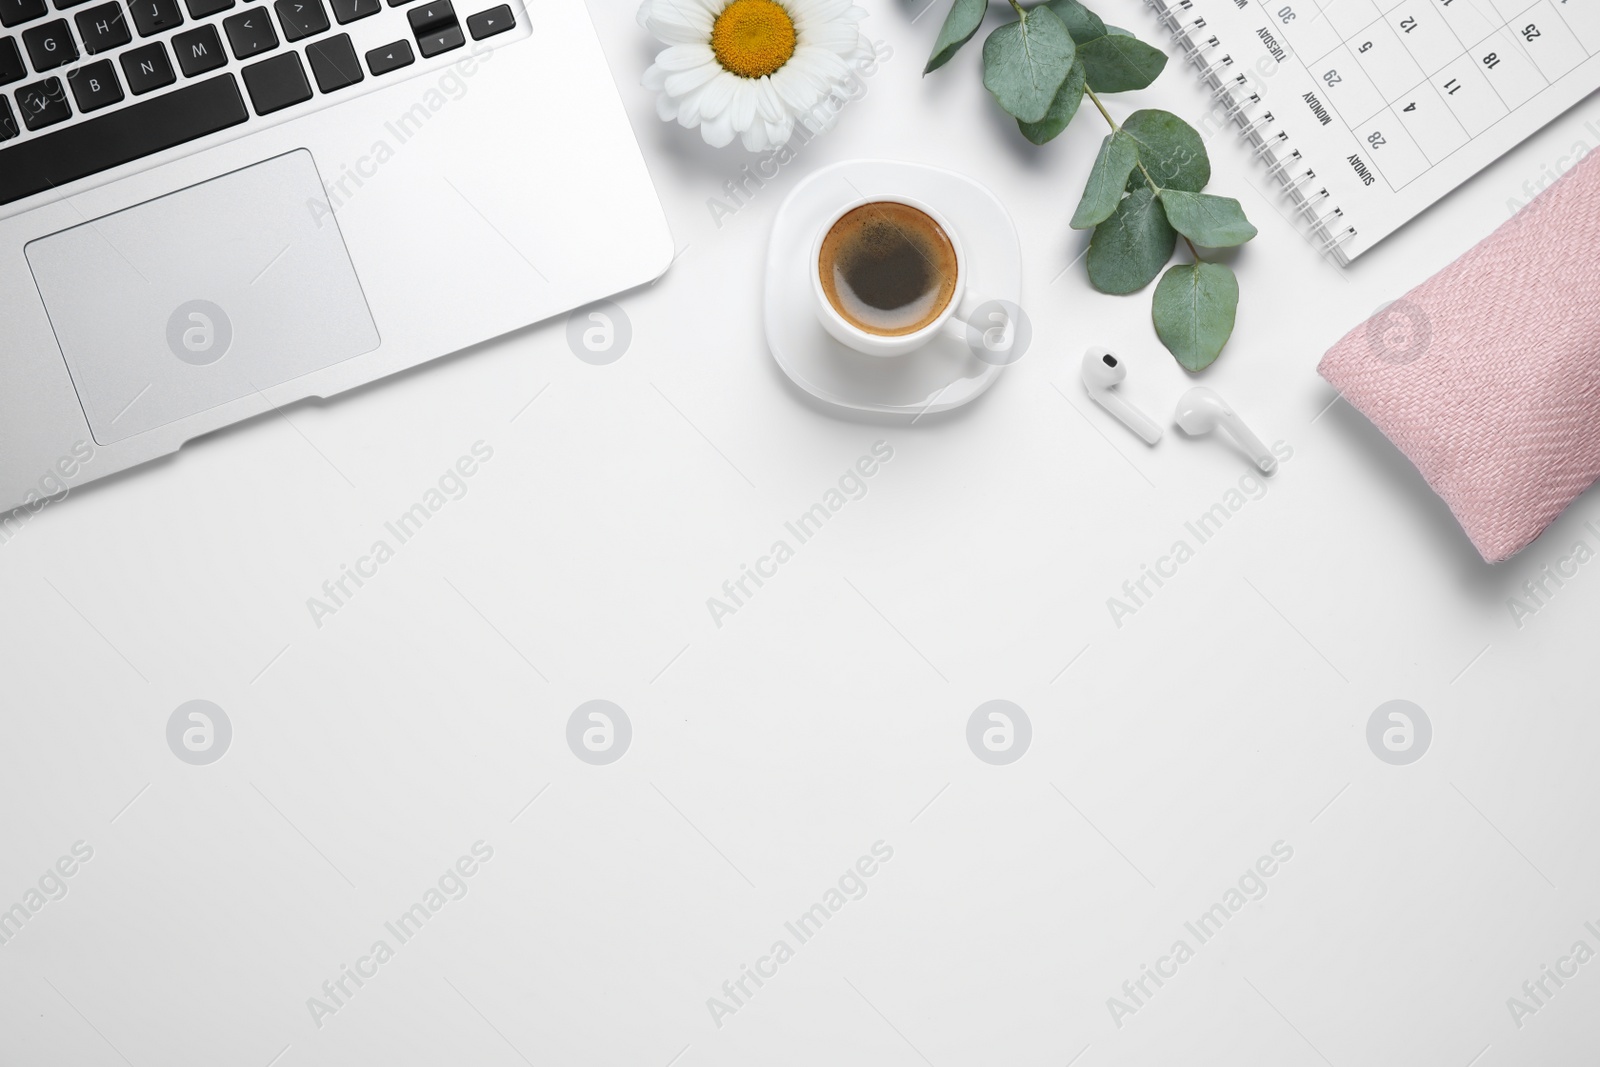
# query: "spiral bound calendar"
x,y
1368,111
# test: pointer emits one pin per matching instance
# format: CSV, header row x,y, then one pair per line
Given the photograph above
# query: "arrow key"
x,y
436,27
390,57
441,41
488,23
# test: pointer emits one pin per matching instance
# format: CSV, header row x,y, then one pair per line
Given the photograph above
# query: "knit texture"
x,y
1487,375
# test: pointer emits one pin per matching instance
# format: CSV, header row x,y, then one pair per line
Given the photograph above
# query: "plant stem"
x,y
1101,108
1154,188
1017,8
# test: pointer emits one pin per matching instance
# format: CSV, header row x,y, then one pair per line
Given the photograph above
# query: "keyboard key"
x,y
153,16
488,23
301,18
16,12
8,124
434,16
442,41
333,63
11,68
250,33
147,68
42,104
200,9
95,86
103,28
390,57
50,46
119,137
350,10
277,83
436,28
198,50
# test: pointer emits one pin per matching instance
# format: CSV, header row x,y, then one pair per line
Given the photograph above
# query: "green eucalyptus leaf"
x,y
1083,24
1119,154
1212,221
1118,31
1193,310
1130,248
1062,108
1118,63
963,21
1025,62
1170,150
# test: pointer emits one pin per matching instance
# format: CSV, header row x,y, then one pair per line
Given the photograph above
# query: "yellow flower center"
x,y
753,38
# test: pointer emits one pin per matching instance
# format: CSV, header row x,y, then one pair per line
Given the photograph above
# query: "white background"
x,y
827,714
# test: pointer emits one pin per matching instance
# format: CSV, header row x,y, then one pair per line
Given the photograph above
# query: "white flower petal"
x,y
688,12
838,37
673,34
819,11
689,109
794,92
687,81
718,95
767,101
804,10
718,132
679,26
743,106
685,57
825,69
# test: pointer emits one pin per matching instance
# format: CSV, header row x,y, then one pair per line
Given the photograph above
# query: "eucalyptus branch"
x,y
1154,188
1039,67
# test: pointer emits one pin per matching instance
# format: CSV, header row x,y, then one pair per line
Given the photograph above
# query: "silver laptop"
x,y
213,208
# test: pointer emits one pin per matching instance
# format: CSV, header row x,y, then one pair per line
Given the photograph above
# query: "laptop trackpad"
x,y
203,296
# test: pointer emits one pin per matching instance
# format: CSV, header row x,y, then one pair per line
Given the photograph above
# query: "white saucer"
x,y
943,374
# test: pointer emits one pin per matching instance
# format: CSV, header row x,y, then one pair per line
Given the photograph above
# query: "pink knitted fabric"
x,y
1487,375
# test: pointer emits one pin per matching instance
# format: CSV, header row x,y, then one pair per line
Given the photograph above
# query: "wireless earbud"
x,y
1201,411
1101,371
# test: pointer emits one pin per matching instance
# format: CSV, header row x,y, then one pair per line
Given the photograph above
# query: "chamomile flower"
x,y
753,68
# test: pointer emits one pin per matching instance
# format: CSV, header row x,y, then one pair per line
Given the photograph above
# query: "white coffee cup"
x,y
962,299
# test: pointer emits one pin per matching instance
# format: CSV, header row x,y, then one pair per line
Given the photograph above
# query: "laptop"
x,y
210,209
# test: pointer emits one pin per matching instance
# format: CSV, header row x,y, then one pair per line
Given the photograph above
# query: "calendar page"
x,y
1389,104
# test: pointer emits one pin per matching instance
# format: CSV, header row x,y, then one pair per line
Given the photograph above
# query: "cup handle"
x,y
956,325
960,325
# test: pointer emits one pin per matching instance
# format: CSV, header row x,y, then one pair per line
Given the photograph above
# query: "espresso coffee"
x,y
888,268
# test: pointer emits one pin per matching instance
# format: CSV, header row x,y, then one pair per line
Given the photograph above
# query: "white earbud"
x,y
1201,411
1101,371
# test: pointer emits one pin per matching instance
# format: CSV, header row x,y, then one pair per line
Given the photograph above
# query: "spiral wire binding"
x,y
1329,230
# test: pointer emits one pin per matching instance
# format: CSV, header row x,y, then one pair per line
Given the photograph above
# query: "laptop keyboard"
x,y
89,86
